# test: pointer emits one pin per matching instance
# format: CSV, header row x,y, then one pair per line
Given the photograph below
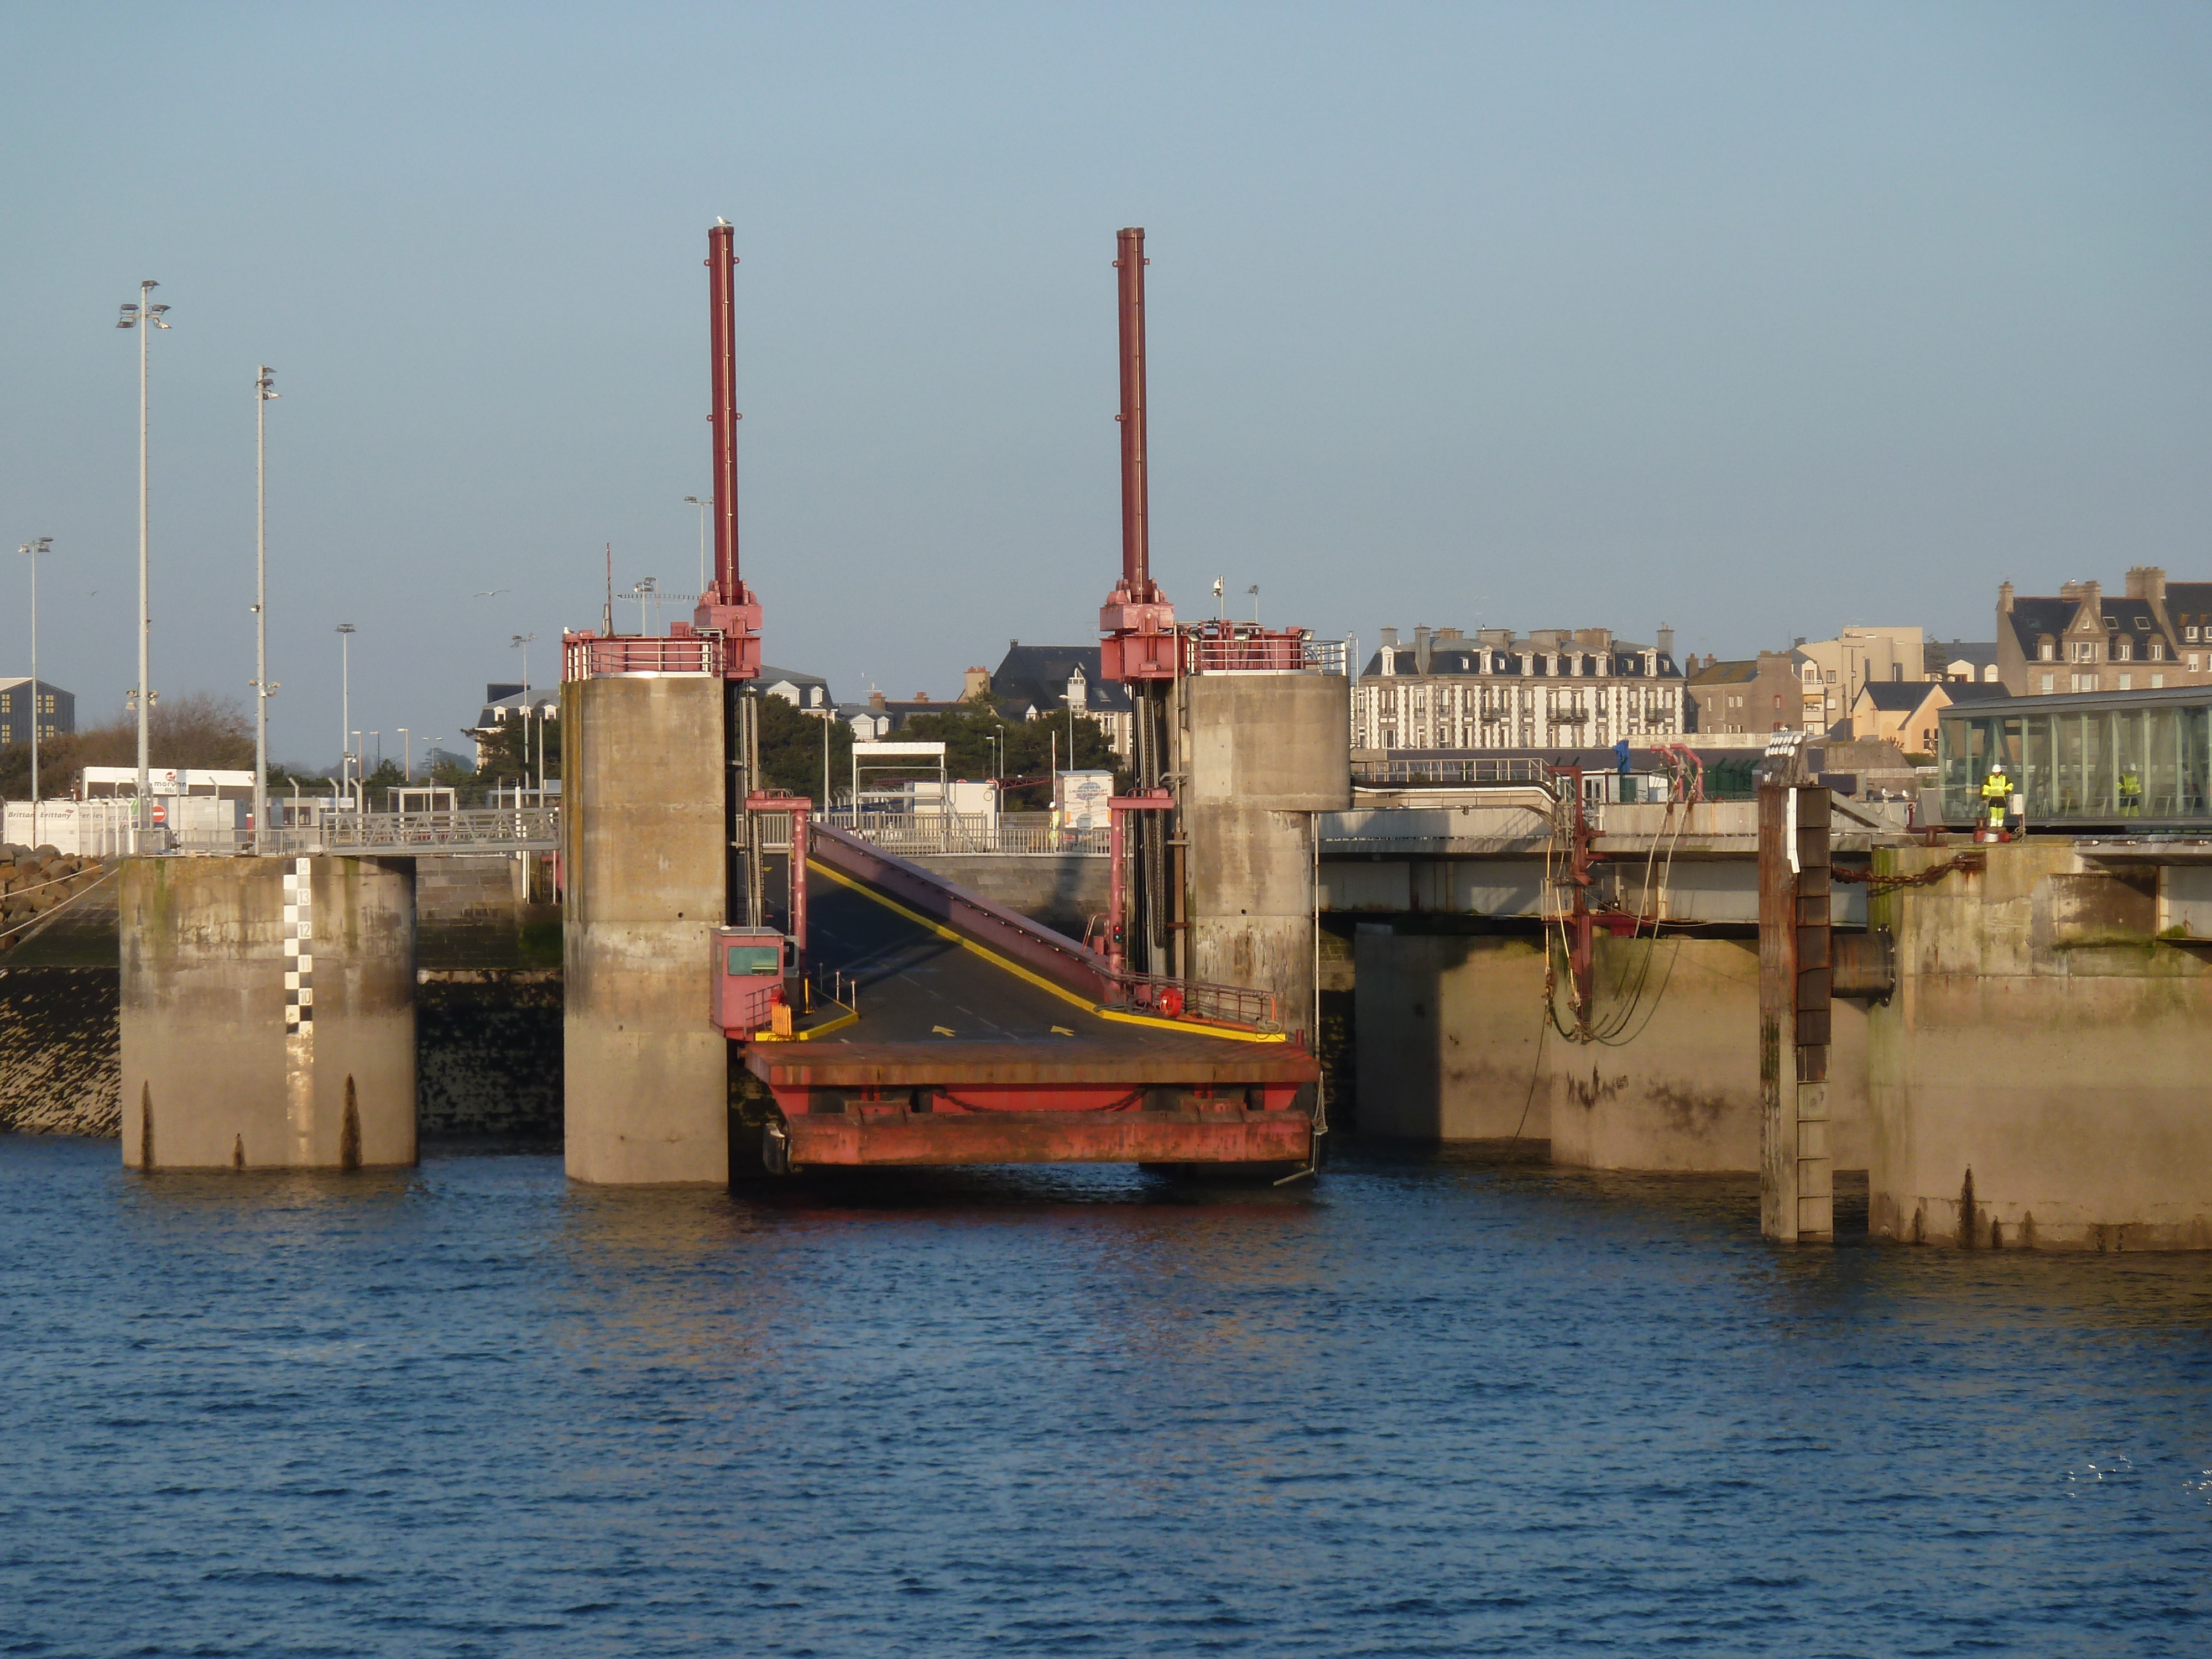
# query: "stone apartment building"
x,y
1832,672
1555,688
1761,694
2155,633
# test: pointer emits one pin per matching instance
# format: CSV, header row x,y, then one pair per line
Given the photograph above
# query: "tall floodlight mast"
x,y
264,392
145,316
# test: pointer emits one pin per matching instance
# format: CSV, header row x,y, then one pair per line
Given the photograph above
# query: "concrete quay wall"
x,y
2039,1079
1453,1044
1063,891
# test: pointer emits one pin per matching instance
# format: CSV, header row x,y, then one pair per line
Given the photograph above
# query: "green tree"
x,y
791,749
504,756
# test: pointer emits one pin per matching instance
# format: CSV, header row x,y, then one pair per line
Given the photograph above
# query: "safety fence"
x,y
1185,999
935,834
591,656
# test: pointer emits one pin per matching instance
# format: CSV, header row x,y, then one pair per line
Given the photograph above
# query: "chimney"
x,y
1389,639
876,702
1666,641
1420,651
1797,644
2070,591
2004,600
976,683
2147,582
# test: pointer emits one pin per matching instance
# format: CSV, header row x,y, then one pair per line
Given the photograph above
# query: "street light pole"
x,y
264,390
345,631
143,316
702,507
408,737
38,709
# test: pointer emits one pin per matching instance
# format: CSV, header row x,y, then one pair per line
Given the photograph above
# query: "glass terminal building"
x,y
2136,759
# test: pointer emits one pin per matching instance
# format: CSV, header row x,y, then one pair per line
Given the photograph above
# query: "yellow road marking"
x,y
1189,1027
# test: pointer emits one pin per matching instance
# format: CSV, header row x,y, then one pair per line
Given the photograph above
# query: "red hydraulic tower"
x,y
728,607
1137,620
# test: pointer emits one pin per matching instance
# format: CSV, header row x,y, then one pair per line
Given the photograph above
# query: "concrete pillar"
x,y
268,1012
1796,1182
1260,753
646,1076
2038,1078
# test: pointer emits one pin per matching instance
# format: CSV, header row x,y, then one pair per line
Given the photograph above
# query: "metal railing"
x,y
1244,648
588,656
926,833
1189,1000
486,829
1443,770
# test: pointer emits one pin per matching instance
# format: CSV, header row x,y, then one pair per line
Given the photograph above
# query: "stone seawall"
x,y
60,1060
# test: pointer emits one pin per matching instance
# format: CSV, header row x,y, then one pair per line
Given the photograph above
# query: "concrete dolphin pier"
x,y
268,1012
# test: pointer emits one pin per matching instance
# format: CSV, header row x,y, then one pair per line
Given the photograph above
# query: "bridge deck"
x,y
962,1056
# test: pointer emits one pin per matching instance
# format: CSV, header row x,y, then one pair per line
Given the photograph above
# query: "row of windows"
x,y
2122,650
8,703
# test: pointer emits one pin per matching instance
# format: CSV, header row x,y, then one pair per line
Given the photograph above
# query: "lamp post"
x,y
38,698
521,641
703,506
408,737
143,316
264,392
345,632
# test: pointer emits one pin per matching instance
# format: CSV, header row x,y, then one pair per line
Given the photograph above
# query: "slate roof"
x,y
1902,696
1974,691
1036,677
1464,657
1727,674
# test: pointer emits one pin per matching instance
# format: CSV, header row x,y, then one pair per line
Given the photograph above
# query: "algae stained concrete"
x,y
1261,754
2039,1079
645,1075
214,1073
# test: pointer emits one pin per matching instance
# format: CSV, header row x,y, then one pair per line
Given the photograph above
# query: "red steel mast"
x,y
1137,622
728,607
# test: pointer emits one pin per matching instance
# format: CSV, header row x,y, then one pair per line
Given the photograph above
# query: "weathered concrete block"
x,y
645,1075
268,1012
2039,1079
1261,753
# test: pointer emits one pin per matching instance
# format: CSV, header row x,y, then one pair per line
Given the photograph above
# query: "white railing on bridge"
x,y
923,835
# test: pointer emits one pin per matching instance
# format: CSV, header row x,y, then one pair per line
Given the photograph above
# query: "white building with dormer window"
x,y
1554,688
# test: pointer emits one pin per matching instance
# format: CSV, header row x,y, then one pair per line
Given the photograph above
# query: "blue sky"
x,y
1757,320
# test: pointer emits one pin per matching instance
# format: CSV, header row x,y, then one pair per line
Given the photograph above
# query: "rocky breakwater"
x,y
58,989
36,880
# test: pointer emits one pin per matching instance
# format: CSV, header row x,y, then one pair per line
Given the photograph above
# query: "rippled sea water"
x,y
1432,1407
